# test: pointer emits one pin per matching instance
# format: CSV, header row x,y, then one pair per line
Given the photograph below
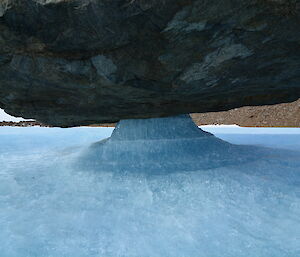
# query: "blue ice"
x,y
158,187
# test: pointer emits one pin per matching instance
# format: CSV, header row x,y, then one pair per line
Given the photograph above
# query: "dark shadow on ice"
x,y
165,145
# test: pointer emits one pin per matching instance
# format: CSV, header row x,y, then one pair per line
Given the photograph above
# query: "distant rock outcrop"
x,y
277,115
21,124
72,62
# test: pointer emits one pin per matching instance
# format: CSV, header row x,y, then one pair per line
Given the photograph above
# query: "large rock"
x,y
69,63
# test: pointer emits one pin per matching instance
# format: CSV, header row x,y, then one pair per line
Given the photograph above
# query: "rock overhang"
x,y
70,63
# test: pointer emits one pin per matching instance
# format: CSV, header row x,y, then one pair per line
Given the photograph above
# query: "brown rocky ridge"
x,y
278,115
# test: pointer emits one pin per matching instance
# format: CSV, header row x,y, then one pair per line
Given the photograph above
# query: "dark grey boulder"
x,y
69,63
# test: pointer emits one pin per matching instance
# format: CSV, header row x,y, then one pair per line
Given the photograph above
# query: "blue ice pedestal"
x,y
162,145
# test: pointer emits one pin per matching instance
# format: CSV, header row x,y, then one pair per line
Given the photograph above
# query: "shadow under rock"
x,y
168,145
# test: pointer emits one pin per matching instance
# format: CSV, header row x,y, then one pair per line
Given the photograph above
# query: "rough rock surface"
x,y
71,62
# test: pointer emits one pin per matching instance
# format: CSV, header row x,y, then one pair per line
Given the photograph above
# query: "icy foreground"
x,y
194,194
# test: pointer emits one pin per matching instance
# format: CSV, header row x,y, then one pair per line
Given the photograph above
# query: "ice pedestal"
x,y
162,145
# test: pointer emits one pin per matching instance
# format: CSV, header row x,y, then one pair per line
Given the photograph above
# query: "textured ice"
x,y
162,145
61,197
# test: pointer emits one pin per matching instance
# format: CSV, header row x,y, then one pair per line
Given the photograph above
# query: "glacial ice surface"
x,y
57,198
